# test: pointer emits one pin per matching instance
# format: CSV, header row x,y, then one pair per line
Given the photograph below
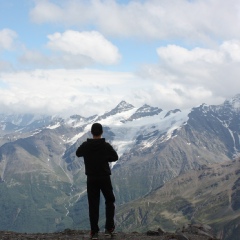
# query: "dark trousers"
x,y
95,184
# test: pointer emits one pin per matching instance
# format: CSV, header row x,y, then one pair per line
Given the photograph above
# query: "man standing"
x,y
97,154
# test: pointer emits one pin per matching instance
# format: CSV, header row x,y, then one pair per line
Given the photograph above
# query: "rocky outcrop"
x,y
197,229
191,232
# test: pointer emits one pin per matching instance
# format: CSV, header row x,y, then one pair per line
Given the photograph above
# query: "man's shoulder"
x,y
108,144
83,144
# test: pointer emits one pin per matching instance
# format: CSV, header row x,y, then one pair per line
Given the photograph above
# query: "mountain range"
x,y
175,166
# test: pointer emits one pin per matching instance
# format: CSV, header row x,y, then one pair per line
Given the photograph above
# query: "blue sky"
x,y
85,56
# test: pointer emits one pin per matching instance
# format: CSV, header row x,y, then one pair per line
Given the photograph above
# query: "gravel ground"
x,y
79,235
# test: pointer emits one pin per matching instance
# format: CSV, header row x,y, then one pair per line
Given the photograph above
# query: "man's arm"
x,y
112,154
80,150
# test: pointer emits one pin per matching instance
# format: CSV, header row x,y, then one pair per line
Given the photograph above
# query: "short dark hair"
x,y
96,129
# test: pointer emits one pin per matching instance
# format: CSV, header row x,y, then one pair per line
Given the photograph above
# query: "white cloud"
x,y
5,66
88,44
180,55
232,49
46,11
190,20
7,37
82,92
34,58
38,59
189,77
73,49
67,12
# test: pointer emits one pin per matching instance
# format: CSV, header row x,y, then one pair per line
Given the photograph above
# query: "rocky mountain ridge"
x,y
42,183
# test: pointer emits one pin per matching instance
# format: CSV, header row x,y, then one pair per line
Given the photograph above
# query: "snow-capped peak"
x,y
145,111
234,102
123,106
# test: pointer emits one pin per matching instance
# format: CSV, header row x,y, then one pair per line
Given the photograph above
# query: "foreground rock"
x,y
188,232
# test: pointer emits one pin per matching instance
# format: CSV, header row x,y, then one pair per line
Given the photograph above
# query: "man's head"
x,y
96,129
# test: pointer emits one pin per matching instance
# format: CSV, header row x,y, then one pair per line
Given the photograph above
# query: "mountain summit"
x,y
123,106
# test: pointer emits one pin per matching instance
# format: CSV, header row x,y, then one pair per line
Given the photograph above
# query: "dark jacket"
x,y
97,154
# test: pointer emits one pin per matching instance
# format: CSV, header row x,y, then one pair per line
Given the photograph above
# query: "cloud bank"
x,y
190,20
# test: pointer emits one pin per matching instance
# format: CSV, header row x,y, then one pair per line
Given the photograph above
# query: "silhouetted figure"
x,y
97,154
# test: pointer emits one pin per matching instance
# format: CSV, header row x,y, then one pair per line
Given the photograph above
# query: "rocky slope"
x,y
210,195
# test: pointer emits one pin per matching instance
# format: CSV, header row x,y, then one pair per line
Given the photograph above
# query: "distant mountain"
x,y
43,184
